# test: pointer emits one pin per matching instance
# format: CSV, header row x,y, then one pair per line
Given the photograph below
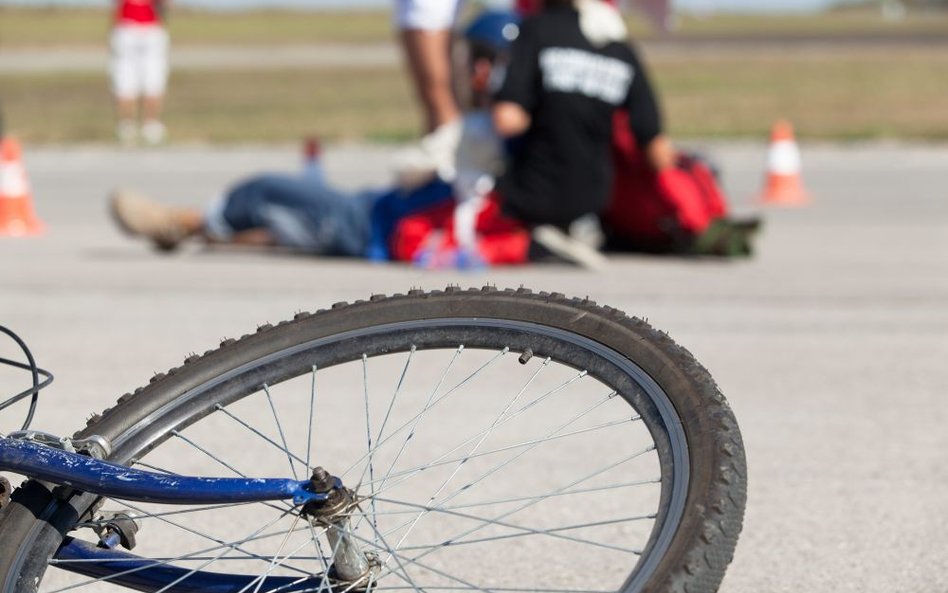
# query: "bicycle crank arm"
x,y
146,574
85,473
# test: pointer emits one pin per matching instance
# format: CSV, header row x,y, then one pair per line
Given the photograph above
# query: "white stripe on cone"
x,y
784,158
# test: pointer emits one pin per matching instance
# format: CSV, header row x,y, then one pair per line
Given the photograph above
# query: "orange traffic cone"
x,y
17,217
784,186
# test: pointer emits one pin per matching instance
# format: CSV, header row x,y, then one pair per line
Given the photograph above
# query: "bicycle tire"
x,y
700,544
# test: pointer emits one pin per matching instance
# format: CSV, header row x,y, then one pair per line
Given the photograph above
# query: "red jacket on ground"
x,y
500,239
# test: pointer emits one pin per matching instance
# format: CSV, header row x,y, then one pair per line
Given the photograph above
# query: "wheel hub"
x,y
350,565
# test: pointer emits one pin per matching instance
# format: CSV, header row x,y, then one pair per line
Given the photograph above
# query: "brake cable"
x,y
35,372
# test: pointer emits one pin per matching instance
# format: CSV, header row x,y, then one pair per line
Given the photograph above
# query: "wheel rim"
x,y
655,412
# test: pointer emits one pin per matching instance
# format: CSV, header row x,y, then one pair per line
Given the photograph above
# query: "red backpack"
x,y
648,209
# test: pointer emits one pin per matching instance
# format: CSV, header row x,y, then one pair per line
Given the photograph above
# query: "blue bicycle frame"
x,y
84,473
45,463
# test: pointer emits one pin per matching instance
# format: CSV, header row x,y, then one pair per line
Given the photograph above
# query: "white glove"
x,y
433,156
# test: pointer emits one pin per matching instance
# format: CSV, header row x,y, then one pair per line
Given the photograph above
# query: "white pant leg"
x,y
122,69
155,61
139,64
426,14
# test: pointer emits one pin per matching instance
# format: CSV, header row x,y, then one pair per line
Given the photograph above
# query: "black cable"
x,y
35,371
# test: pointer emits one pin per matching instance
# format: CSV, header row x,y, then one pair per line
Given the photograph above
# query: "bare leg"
x,y
151,108
153,131
429,59
126,109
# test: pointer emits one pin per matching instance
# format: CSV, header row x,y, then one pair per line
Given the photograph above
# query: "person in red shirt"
x,y
139,68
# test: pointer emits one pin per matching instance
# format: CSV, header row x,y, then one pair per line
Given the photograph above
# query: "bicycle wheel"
x,y
492,440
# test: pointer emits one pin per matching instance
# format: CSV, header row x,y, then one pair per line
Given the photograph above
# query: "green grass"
x,y
859,22
52,27
22,27
849,94
850,97
897,95
222,107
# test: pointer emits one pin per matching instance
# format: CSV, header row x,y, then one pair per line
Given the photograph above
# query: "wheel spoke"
x,y
523,531
379,538
368,435
274,560
279,425
147,515
407,473
523,452
485,434
207,536
533,502
256,432
413,422
566,493
495,502
209,562
312,409
208,453
398,389
225,548
431,403
440,460
414,561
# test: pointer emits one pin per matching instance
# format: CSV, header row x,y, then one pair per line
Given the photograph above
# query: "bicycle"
x,y
481,439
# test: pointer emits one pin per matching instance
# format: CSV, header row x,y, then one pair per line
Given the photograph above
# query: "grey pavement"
x,y
318,56
830,344
95,59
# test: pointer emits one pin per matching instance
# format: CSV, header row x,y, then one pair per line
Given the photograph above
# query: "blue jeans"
x,y
299,212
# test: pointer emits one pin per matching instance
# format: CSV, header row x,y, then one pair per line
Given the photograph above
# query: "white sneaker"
x,y
567,248
126,132
154,132
588,230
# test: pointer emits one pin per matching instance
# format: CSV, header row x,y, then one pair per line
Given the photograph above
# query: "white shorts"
x,y
139,65
426,14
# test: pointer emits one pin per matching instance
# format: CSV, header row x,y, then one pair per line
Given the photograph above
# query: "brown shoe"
x,y
141,217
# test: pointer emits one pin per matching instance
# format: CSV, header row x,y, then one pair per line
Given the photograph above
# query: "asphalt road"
x,y
830,344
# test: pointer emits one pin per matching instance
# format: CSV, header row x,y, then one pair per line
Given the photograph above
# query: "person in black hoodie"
x,y
571,71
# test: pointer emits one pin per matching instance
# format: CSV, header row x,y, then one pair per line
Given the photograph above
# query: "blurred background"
x,y
272,70
829,343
